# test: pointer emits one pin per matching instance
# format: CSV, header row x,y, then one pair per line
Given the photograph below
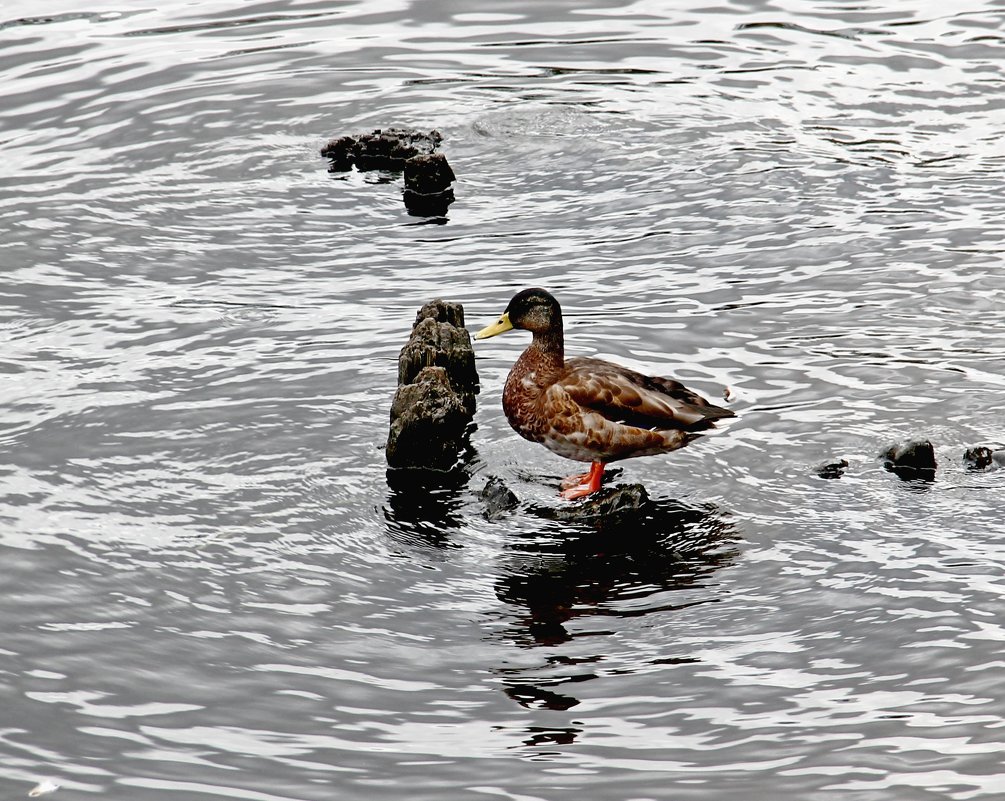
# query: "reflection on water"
x,y
630,566
425,505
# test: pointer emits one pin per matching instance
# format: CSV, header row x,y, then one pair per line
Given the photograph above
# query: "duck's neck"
x,y
546,353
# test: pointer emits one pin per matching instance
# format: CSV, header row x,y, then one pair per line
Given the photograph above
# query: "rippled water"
x,y
209,587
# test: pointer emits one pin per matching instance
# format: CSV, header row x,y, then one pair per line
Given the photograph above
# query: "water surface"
x,y
212,589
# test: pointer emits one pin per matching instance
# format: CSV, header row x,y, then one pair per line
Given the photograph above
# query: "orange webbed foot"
x,y
578,480
573,493
578,486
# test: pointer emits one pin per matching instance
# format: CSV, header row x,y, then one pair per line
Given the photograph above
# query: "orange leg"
x,y
591,482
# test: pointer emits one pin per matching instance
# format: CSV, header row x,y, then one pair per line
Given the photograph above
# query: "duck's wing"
x,y
626,396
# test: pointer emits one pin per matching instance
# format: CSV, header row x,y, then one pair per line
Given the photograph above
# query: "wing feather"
x,y
626,396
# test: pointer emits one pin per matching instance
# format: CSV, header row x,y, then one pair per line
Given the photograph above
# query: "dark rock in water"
x,y
916,454
434,204
428,422
437,383
498,498
386,149
832,469
984,458
978,458
342,152
428,174
604,503
427,185
911,460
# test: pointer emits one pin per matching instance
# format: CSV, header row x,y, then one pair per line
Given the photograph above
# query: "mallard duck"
x,y
587,409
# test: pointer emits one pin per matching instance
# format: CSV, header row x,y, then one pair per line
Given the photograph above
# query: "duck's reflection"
x,y
622,557
574,570
613,568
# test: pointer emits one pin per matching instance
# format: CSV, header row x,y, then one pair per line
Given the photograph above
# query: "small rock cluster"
x,y
911,460
437,383
833,469
427,174
984,458
914,460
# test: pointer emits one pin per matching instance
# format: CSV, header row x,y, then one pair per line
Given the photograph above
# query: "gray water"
x,y
211,587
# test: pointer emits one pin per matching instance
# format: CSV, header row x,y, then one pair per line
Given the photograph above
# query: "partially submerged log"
x,y
427,185
427,174
437,382
911,460
387,149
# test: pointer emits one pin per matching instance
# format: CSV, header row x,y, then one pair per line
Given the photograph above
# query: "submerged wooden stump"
x,y
427,185
911,460
440,339
386,149
428,176
437,384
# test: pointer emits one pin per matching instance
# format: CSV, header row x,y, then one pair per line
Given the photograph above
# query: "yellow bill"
x,y
496,328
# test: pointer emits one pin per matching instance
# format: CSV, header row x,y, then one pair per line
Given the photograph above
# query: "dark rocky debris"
x,y
427,185
982,457
608,502
498,499
386,149
342,152
427,174
831,469
625,501
911,460
437,382
979,458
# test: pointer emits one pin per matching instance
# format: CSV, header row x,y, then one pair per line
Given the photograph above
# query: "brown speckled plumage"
x,y
587,409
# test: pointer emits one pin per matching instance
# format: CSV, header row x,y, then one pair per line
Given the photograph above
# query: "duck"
x,y
587,409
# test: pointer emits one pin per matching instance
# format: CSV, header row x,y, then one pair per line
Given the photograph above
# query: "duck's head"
x,y
534,310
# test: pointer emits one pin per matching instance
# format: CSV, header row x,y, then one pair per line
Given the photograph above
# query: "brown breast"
x,y
530,376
